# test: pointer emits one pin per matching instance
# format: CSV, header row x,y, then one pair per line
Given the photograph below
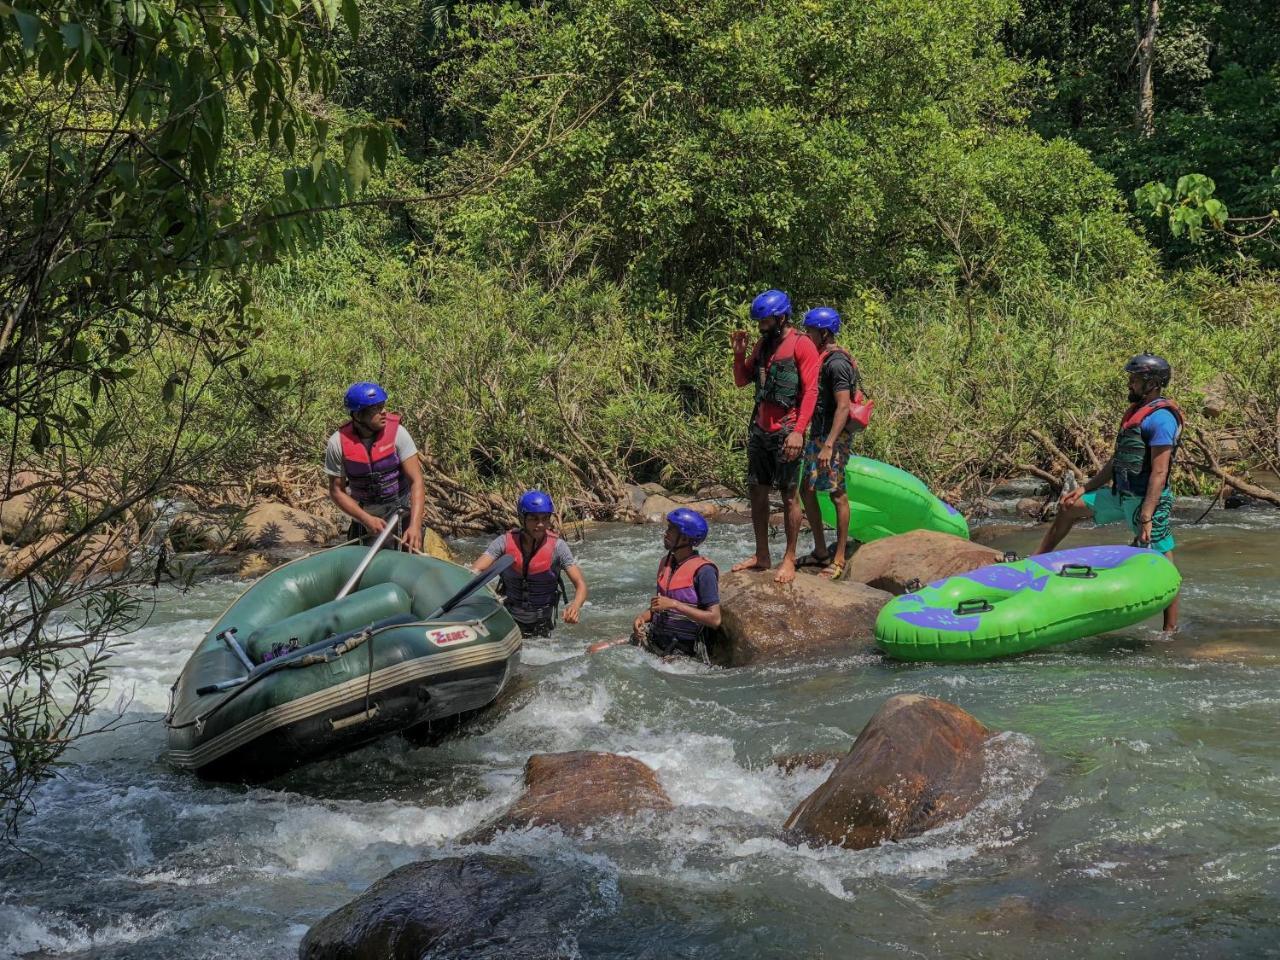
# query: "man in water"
x,y
531,586
687,602
1134,484
373,468
827,450
784,370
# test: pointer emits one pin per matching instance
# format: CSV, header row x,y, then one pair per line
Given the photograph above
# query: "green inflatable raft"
x,y
1013,607
289,674
885,500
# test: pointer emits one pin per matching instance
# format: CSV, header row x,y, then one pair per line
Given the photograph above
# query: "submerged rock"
x,y
575,790
461,907
804,760
893,563
916,765
766,622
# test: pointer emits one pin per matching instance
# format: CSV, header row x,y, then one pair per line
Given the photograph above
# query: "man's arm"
x,y
347,504
809,363
579,593
412,537
744,367
1161,460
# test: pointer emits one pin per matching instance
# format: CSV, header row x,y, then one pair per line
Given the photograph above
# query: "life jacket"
x,y
678,584
373,472
532,583
778,377
860,405
1132,459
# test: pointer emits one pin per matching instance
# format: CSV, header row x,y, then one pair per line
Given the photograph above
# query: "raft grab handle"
x,y
974,605
1079,571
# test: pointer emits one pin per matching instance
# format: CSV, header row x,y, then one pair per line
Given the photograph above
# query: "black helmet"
x,y
1155,370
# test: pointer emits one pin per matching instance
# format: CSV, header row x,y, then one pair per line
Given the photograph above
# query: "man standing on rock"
x,y
1134,484
827,451
531,586
687,602
373,468
784,370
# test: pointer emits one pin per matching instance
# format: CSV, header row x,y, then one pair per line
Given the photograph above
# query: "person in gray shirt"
x,y
531,586
373,469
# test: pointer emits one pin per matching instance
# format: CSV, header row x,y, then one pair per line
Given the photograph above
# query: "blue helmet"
x,y
534,501
364,394
771,303
690,523
823,318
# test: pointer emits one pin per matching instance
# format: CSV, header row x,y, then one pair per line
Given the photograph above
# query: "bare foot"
x,y
786,573
752,563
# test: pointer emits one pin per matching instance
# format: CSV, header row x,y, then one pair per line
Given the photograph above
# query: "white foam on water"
x,y
25,931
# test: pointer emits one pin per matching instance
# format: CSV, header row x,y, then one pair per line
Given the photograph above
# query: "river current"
x,y
1133,806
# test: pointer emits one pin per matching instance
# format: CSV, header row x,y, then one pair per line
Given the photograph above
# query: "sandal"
x,y
811,559
833,572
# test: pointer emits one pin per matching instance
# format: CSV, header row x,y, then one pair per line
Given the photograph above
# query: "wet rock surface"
x,y
916,765
893,563
766,622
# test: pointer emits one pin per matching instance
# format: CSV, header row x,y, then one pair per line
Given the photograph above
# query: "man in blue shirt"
x,y
1134,484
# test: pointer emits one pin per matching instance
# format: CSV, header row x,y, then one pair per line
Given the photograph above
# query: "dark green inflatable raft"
x,y
289,674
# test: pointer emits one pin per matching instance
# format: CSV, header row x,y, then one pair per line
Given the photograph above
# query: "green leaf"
x,y
326,10
135,11
1216,210
351,14
29,27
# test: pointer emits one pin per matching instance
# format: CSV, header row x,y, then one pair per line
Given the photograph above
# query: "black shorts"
x,y
534,623
382,511
764,460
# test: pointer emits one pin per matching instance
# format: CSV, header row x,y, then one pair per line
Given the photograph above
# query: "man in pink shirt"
x,y
784,369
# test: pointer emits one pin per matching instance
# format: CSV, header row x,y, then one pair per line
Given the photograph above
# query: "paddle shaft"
x,y
387,530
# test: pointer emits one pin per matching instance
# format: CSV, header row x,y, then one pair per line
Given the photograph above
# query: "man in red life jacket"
x,y
373,468
827,451
1133,485
783,368
687,603
531,587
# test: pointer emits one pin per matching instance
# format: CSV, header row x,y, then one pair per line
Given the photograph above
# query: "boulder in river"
x,y
93,556
271,524
767,622
574,790
480,905
916,765
32,514
925,555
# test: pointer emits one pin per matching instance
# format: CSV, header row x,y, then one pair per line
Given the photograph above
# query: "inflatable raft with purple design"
x,y
1014,607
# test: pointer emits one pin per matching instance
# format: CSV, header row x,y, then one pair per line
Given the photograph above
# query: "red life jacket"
x,y
534,586
777,381
373,472
679,585
860,405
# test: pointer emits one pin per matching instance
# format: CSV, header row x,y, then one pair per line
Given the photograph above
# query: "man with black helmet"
x,y
1134,484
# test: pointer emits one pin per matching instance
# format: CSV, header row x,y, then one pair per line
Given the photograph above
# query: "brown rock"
x,y
805,760
97,554
763,621
924,555
1030,508
916,765
1216,397
271,524
653,489
716,491
434,545
28,517
657,506
253,566
574,790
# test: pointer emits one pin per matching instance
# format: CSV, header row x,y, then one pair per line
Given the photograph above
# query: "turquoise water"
x,y
1133,808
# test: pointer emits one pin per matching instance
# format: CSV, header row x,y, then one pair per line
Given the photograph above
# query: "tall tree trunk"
x,y
1147,25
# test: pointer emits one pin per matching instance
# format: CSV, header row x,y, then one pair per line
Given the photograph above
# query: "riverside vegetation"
x,y
537,223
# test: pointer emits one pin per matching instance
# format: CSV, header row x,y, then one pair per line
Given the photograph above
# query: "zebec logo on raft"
x,y
448,636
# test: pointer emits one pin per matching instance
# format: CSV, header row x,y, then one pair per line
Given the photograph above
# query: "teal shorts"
x,y
1108,506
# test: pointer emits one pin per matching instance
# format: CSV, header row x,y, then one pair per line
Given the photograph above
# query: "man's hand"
x,y
1072,497
571,612
662,603
792,446
637,625
1144,532
412,539
824,457
373,524
739,340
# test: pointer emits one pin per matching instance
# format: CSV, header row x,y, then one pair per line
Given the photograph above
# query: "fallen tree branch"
x,y
1237,483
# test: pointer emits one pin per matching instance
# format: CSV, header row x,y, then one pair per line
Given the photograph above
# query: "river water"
x,y
1133,811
